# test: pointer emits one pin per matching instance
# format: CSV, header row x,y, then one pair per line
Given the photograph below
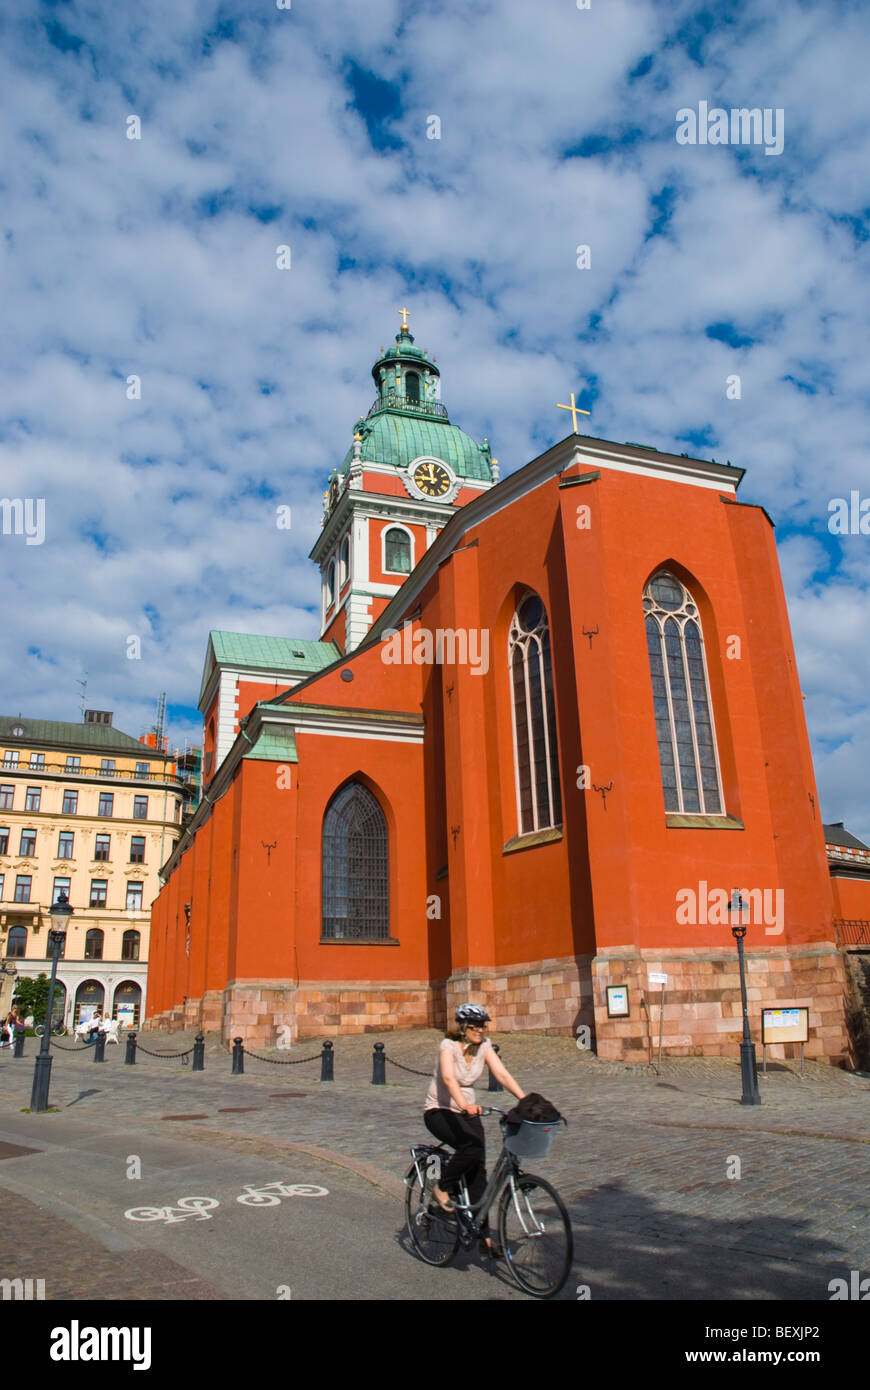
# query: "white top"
x,y
467,1072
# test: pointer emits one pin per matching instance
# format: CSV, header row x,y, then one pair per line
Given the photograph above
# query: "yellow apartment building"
x,y
91,812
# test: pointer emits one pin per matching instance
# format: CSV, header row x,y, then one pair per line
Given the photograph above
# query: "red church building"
x,y
551,727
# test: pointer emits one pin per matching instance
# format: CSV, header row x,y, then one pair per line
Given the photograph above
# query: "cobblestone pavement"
x,y
676,1190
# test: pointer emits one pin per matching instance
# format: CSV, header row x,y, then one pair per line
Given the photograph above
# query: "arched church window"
x,y
397,551
412,387
536,750
344,562
330,584
681,698
356,883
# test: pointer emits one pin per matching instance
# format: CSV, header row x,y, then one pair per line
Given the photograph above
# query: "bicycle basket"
x,y
530,1138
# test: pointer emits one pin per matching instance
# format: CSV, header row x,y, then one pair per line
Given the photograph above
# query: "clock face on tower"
x,y
432,479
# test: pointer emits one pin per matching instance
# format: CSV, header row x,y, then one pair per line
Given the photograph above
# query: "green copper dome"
x,y
408,421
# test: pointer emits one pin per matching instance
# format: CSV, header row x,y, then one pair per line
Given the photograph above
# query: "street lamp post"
x,y
60,913
748,1068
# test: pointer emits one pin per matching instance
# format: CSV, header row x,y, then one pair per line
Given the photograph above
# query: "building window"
x,y
73,762
65,842
107,801
536,750
7,796
32,798
60,885
70,803
98,892
412,387
94,943
137,849
681,699
4,841
17,943
178,811
330,584
107,767
2,877
356,881
397,551
134,897
140,808
344,562
143,769
27,848
22,888
37,762
130,946
10,759
101,846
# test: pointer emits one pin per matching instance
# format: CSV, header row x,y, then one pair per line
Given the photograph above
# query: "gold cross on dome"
x,y
404,313
575,411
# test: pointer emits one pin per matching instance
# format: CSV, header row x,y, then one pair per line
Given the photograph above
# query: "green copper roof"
x,y
390,436
275,745
60,733
283,653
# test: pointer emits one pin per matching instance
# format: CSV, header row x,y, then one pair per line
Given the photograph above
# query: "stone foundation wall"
x,y
544,996
703,1013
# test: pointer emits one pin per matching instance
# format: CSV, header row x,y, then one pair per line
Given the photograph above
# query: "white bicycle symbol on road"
x,y
270,1194
199,1208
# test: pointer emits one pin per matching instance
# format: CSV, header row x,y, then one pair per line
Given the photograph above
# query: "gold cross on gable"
x,y
575,411
404,313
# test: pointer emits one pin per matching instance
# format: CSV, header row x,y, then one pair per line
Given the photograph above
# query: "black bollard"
x,y
130,1058
100,1048
327,1062
18,1045
379,1066
493,1084
198,1053
238,1057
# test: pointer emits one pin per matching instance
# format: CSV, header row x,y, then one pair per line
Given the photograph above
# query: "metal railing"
x,y
398,401
852,931
118,774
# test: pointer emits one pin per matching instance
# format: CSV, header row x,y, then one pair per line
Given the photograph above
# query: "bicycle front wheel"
x,y
434,1234
535,1233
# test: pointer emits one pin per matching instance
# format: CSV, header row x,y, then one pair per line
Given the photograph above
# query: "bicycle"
x,y
533,1224
58,1030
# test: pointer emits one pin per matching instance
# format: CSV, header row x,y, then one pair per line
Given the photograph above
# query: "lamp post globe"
x,y
60,913
748,1067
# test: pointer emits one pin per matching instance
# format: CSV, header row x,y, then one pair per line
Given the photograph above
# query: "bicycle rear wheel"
x,y
434,1234
535,1233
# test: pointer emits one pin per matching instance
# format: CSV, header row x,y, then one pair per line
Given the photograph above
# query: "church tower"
x,y
406,472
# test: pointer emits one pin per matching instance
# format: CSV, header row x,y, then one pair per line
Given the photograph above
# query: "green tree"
x,y
31,996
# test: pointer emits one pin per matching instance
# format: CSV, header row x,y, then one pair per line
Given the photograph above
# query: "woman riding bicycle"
x,y
451,1112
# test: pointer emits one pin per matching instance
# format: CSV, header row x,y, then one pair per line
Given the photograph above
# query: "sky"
x,y
165,386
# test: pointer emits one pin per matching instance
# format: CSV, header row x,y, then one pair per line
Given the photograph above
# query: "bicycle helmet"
x,y
472,1013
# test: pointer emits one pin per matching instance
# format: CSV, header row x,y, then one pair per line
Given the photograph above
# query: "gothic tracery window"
x,y
536,751
681,699
356,882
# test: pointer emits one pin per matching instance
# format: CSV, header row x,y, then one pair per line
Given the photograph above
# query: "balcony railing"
x,y
397,401
119,774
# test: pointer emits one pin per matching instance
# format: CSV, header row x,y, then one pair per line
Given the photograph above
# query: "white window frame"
x,y
396,526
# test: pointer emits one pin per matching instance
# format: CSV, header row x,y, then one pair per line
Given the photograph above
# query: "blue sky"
x,y
308,127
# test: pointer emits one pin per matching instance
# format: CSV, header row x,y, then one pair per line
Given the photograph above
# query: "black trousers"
x,y
464,1133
